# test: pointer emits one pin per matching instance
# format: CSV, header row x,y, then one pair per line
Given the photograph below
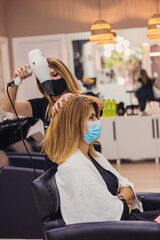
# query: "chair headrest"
x,y
46,194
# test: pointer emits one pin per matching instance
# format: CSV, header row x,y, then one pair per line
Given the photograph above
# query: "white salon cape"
x,y
84,196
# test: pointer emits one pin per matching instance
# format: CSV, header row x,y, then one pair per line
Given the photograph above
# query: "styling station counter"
x,y
130,137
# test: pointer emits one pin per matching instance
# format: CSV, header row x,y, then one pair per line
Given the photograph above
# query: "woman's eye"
x,y
55,74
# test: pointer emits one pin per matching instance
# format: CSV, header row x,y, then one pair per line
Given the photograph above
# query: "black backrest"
x,y
18,212
23,160
46,195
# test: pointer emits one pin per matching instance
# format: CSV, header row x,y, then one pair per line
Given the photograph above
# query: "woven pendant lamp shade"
x,y
101,32
112,41
153,32
114,36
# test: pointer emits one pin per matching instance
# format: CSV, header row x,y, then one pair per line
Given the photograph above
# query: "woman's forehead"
x,y
91,109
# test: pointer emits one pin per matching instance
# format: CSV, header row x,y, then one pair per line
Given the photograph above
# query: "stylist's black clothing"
x,y
112,184
39,107
144,93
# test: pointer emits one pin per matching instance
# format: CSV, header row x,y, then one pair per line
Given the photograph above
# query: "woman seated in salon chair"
x,y
90,189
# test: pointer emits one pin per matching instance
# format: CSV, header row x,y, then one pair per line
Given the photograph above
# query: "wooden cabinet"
x,y
131,137
156,129
108,138
135,137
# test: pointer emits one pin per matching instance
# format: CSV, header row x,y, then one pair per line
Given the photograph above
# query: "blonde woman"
x,y
90,188
62,86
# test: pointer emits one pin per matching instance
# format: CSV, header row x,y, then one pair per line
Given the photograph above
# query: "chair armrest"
x,y
150,201
111,230
53,224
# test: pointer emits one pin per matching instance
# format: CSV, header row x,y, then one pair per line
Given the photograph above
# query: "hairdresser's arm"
x,y
66,96
23,108
97,100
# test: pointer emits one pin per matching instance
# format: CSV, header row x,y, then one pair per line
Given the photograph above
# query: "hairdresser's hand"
x,y
21,72
60,101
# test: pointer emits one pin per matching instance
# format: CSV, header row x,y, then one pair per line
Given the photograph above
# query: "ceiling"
x,y
39,17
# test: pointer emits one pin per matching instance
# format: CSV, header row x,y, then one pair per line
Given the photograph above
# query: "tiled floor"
x,y
144,174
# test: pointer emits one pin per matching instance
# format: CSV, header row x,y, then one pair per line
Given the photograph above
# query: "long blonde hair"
x,y
66,129
65,73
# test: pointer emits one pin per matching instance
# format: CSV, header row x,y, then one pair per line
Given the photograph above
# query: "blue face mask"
x,y
94,131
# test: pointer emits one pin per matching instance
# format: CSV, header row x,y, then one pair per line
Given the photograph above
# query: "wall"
x,y
2,114
2,19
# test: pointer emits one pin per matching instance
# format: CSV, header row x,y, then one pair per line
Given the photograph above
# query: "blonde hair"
x,y
65,73
66,129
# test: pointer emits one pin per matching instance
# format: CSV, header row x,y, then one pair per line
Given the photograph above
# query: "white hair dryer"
x,y
38,65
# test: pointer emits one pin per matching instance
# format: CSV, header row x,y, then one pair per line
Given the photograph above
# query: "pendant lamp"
x,y
153,32
114,36
112,41
101,30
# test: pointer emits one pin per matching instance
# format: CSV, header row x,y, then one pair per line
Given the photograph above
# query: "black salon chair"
x,y
46,196
22,159
18,212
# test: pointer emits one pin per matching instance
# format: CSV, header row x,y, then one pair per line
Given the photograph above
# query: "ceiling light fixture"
x,y
153,32
101,31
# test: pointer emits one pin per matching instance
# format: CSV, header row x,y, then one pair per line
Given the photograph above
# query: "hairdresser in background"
x,y
145,92
90,189
61,87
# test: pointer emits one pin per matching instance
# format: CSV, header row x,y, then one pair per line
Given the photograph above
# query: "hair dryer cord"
x,y
21,134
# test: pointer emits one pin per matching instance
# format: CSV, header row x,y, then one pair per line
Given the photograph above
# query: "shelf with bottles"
x,y
112,109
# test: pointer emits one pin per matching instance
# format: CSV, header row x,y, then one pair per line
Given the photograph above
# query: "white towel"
x,y
84,196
